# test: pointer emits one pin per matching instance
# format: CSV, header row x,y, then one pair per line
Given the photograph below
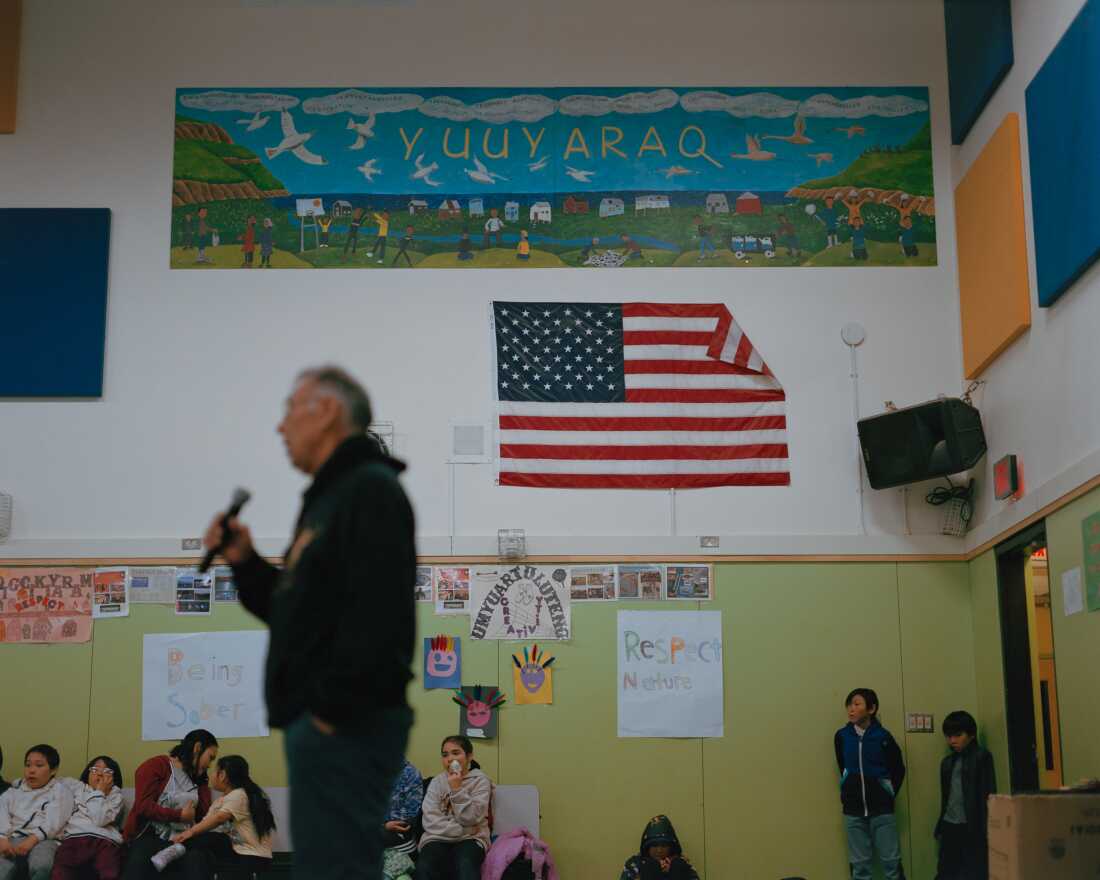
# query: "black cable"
x,y
941,495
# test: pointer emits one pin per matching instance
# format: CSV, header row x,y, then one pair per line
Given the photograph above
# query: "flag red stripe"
x,y
641,481
674,310
609,452
708,367
702,395
744,350
587,423
667,337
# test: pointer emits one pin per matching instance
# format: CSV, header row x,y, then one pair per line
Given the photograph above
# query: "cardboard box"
x,y
1052,836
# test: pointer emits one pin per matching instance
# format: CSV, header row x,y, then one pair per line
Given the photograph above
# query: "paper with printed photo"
x,y
423,587
153,585
592,583
452,591
643,581
109,593
687,582
194,592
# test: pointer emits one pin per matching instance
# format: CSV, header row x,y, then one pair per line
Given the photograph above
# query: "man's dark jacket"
x,y
341,611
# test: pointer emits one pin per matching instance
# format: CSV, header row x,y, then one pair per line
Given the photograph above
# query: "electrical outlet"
x,y
191,544
708,540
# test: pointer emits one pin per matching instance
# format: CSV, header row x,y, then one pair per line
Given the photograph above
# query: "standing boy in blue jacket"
x,y
872,770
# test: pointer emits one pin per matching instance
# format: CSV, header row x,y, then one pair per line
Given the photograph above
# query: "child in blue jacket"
x,y
872,770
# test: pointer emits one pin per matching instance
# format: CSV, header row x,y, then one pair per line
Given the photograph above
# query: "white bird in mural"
x,y
257,121
424,172
539,165
363,130
482,174
675,171
753,152
852,130
821,158
369,169
579,175
293,142
798,137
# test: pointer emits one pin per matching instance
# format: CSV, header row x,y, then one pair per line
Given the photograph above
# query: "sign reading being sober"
x,y
670,673
212,680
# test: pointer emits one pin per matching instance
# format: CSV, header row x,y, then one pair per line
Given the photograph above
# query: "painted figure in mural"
x,y
788,236
859,243
248,242
631,249
352,240
906,237
206,236
523,247
403,250
854,201
465,246
266,243
324,222
493,226
188,232
589,250
704,231
828,216
378,250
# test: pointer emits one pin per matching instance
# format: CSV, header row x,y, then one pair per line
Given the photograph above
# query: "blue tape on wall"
x,y
1063,133
979,54
53,300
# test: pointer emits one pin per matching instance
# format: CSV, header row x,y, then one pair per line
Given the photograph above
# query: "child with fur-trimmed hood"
x,y
660,856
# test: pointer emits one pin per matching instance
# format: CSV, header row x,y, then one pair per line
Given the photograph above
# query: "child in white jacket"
x,y
33,813
93,836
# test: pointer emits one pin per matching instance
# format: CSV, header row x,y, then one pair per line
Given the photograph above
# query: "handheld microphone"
x,y
239,500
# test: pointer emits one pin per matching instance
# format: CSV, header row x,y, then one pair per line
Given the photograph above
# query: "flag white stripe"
x,y
701,380
647,466
666,353
618,410
642,438
705,325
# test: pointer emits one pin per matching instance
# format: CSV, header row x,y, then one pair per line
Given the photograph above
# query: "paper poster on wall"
x,y
352,177
477,715
644,581
532,677
210,680
39,605
225,590
1073,600
670,673
1090,535
422,589
442,662
592,583
194,591
452,591
109,593
687,582
152,585
520,602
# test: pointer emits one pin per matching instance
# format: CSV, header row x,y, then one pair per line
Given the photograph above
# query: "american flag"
x,y
634,396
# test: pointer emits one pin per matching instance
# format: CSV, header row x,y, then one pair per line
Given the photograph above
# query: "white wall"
x,y
198,363
1039,401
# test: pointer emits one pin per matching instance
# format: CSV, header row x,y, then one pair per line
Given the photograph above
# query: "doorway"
x,y
1027,644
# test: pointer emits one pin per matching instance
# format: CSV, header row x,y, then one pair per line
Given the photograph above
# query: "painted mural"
x,y
552,178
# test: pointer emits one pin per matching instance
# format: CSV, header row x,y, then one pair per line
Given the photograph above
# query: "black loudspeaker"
x,y
919,442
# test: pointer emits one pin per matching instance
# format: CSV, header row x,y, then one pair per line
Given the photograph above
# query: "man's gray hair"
x,y
339,383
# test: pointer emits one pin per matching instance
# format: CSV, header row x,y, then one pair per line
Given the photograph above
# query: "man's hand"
x,y
238,539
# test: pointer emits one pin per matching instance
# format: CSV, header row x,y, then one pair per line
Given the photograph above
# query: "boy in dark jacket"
x,y
659,856
872,770
967,779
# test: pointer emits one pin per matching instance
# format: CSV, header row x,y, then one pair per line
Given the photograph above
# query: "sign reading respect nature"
x,y
46,604
670,674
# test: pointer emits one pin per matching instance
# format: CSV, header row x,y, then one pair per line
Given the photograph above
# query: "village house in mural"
x,y
301,178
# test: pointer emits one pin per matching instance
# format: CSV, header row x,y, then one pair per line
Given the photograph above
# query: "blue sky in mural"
x,y
346,140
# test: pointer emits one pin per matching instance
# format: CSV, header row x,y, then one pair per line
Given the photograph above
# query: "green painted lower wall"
x,y
760,802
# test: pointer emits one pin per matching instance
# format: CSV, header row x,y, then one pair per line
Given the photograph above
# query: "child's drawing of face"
x,y
532,676
478,714
442,663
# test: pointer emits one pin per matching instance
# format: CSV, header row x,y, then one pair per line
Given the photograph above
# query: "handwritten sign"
x,y
46,605
212,680
670,673
520,602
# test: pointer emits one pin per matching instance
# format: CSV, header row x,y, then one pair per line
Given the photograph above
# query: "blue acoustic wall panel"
x,y
1063,134
53,300
979,54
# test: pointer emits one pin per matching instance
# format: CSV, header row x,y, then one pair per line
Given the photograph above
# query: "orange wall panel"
x,y
994,296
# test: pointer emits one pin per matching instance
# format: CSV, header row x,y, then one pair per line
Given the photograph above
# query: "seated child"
x,y
93,836
33,813
967,779
237,828
659,855
399,831
3,785
456,816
